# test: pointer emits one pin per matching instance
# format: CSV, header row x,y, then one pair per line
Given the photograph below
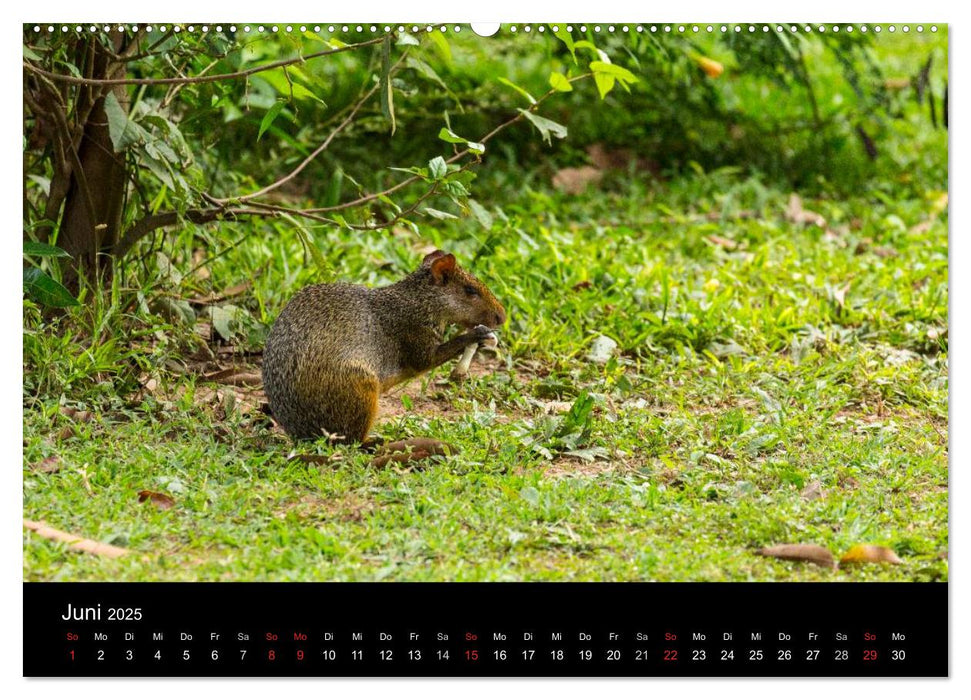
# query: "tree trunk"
x,y
90,228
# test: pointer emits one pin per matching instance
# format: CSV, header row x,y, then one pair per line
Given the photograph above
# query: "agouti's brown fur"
x,y
335,347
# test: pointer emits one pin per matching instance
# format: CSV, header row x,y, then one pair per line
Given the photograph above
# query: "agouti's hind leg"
x,y
354,406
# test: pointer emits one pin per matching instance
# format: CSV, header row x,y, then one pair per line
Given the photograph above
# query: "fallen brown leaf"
x,y
813,491
723,242
413,450
48,465
234,376
811,553
315,459
585,284
870,554
204,330
884,251
161,500
228,293
76,542
149,383
897,83
65,433
77,415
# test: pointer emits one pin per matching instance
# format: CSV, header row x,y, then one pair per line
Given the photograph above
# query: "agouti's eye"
x,y
471,291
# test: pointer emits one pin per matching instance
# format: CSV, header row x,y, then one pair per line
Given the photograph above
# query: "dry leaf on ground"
x,y
48,465
161,500
403,451
812,553
813,491
723,242
76,542
235,376
315,459
77,415
228,293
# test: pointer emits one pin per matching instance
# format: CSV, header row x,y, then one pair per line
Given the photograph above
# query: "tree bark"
x,y
92,216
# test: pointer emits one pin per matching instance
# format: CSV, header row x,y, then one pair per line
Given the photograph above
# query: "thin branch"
x,y
353,110
146,225
461,154
171,93
150,51
306,161
199,78
223,208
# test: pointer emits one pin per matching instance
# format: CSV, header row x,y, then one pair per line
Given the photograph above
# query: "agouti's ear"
x,y
431,257
442,267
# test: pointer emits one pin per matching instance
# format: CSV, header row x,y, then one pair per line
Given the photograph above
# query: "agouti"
x,y
336,347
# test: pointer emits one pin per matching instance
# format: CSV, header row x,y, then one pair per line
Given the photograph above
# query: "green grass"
x,y
774,360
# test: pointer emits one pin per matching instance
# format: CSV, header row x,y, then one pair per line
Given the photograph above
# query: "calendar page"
x,y
519,349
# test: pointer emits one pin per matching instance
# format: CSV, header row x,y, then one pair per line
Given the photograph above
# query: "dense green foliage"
x,y
781,364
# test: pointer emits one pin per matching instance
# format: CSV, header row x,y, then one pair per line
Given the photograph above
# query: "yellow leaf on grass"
x,y
870,554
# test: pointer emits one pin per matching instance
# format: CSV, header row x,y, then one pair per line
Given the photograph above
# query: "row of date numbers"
x,y
501,655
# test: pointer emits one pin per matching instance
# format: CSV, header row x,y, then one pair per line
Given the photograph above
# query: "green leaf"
x,y
287,87
605,83
406,39
307,240
589,45
43,250
563,35
43,182
30,54
530,494
45,290
442,47
222,319
387,91
271,114
481,214
547,127
413,170
450,136
521,91
455,189
437,168
123,131
622,74
438,214
333,195
560,83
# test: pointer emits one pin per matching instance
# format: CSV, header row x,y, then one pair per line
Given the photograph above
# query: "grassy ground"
x,y
778,378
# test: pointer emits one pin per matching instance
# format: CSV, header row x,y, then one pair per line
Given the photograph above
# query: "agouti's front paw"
x,y
485,337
